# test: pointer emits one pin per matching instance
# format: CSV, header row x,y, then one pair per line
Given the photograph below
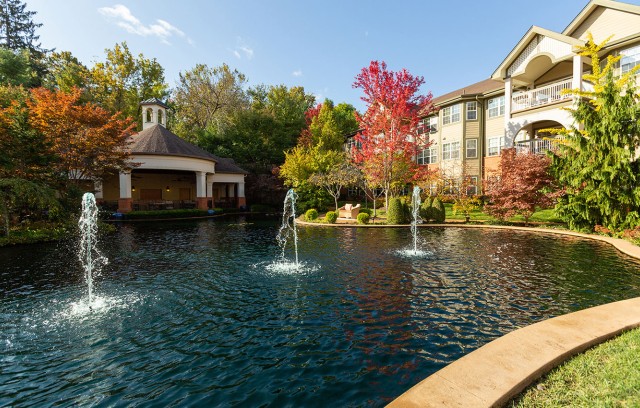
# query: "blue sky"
x,y
321,45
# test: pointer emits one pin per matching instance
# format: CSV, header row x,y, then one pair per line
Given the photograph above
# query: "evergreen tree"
x,y
17,29
598,164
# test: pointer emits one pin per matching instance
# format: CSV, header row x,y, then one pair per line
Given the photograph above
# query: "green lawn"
x,y
607,375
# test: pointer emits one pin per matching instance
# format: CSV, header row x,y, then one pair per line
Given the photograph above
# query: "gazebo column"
x,y
242,201
201,190
97,188
125,202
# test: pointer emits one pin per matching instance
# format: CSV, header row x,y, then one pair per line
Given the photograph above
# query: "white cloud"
x,y
297,73
126,20
242,49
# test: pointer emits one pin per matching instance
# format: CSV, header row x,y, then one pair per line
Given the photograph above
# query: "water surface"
x,y
189,313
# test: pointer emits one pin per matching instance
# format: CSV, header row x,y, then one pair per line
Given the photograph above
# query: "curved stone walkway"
x,y
498,371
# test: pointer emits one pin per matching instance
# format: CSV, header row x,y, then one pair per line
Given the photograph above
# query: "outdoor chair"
x,y
349,211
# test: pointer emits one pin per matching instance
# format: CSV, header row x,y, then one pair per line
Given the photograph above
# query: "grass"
x,y
607,375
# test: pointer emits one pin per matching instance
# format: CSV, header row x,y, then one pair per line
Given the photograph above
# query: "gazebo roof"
x,y
154,101
159,140
228,165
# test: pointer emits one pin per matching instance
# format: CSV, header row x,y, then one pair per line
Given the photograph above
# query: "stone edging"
x,y
498,371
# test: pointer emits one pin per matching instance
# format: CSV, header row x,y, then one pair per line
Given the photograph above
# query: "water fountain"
x,y
88,254
415,209
288,227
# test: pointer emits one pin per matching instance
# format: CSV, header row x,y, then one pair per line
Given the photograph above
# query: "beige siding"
x,y
495,126
604,22
473,129
472,167
452,133
491,166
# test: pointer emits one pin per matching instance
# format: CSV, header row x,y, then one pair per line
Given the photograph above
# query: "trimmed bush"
x,y
366,211
363,218
311,215
426,212
396,213
331,217
438,210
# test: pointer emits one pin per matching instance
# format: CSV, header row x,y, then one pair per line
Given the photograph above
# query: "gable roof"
x,y
592,6
501,71
161,141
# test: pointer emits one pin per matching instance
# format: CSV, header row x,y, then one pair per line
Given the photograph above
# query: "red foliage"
x,y
524,183
305,138
389,136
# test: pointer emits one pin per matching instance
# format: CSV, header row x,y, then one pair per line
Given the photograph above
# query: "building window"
x,y
495,145
496,107
472,148
451,114
451,151
429,125
472,111
428,156
630,58
160,118
149,114
472,188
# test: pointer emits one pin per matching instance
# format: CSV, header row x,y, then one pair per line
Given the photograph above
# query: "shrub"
x,y
426,211
396,213
366,211
331,217
363,218
311,214
438,210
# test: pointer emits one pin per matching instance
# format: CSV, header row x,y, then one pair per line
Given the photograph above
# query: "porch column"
x,y
125,202
508,142
576,81
242,201
201,190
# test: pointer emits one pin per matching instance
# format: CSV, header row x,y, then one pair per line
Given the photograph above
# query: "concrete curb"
x,y
498,371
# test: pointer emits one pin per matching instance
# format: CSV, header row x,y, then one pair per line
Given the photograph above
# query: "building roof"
x,y
154,101
478,88
228,166
161,141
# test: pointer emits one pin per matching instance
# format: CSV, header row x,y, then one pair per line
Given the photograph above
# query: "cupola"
x,y
154,112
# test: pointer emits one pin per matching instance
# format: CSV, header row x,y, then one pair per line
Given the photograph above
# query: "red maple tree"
x,y
389,138
522,184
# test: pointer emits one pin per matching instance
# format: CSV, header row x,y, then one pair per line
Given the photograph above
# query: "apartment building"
x,y
524,94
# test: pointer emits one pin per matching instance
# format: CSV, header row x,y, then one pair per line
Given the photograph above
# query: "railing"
x,y
536,146
540,96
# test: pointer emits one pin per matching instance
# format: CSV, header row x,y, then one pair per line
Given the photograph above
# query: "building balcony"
x,y
536,146
545,95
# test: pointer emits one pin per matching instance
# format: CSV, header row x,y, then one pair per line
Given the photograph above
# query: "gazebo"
x,y
171,172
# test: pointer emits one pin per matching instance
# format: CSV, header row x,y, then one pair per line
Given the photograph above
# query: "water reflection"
x,y
192,316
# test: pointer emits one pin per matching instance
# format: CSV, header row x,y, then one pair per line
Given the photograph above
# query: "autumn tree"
x,y
389,138
122,81
87,141
522,184
598,165
65,72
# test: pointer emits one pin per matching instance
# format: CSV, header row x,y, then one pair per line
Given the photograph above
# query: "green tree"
x,y
18,194
598,165
329,127
122,81
65,72
205,99
17,29
340,173
15,68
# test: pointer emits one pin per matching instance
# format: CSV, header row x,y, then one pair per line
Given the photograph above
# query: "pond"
x,y
190,315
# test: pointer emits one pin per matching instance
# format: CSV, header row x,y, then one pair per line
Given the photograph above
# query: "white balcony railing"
x,y
540,96
536,146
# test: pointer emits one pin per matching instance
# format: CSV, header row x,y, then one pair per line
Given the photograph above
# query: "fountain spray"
x,y
89,255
